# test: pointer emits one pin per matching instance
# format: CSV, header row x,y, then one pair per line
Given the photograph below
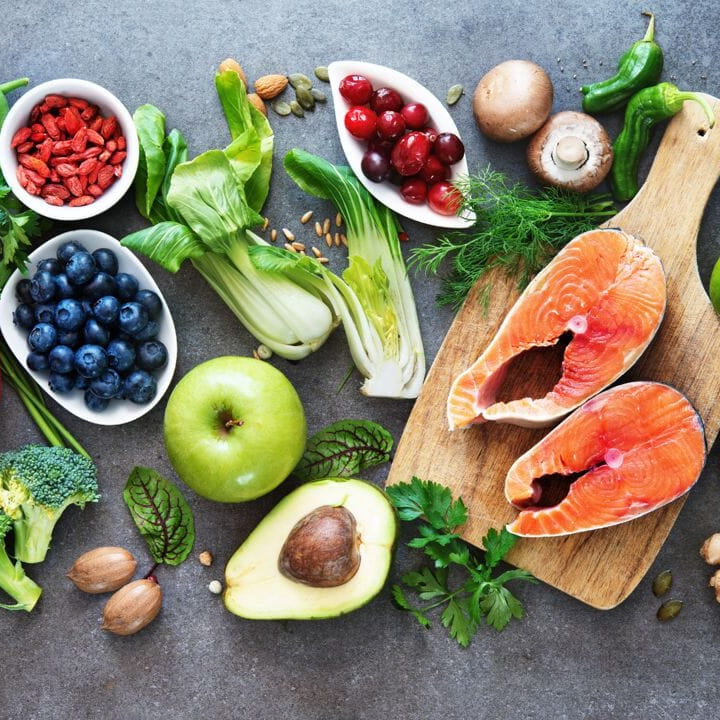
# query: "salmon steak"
x,y
636,447
606,291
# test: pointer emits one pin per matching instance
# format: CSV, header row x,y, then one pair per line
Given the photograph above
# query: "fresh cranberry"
x,y
416,115
385,98
384,147
449,148
432,133
434,171
414,190
356,89
375,166
360,122
390,125
443,198
410,153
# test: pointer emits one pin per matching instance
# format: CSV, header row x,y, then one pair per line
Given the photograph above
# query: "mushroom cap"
x,y
555,155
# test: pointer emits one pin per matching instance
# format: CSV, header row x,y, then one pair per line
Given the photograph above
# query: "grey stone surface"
x,y
564,660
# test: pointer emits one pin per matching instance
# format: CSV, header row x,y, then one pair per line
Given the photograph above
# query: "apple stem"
x,y
232,422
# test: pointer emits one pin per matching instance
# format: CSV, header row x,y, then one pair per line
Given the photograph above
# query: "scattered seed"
x,y
326,225
296,109
321,73
669,610
290,236
338,220
403,237
574,76
306,217
215,587
273,235
289,247
266,223
316,252
662,583
281,107
255,355
319,95
305,98
264,352
298,80
454,94
301,252
318,229
323,260
343,240
328,239
337,240
205,558
298,246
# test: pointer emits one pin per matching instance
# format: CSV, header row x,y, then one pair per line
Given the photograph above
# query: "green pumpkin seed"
x,y
321,73
662,583
281,107
305,98
299,80
669,610
454,94
319,95
296,109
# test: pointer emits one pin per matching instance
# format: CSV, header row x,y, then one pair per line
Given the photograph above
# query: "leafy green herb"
x,y
517,230
344,449
479,594
161,514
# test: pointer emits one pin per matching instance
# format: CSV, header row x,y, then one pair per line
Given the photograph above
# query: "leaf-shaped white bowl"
x,y
410,91
118,412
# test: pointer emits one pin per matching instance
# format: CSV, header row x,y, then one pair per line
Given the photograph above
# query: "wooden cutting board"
x,y
602,567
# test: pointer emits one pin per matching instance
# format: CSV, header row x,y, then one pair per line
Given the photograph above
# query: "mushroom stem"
x,y
570,153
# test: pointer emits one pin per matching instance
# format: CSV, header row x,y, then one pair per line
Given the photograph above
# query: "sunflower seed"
x,y
321,73
318,229
305,98
273,235
338,220
323,260
306,217
289,247
662,583
296,109
669,610
454,94
343,240
337,240
288,234
298,80
326,225
298,246
316,252
319,95
281,107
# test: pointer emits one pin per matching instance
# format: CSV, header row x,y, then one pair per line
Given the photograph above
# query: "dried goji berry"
x,y
95,190
73,185
105,177
111,146
34,177
55,101
26,147
20,137
87,166
109,126
80,139
21,176
96,124
48,122
54,177
45,150
118,157
78,103
121,142
66,170
35,164
104,156
73,121
57,190
89,113
82,200
62,147
93,174
32,188
54,200
117,170
38,137
95,137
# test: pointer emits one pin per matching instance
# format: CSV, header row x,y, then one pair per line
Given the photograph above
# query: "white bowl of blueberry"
x,y
91,326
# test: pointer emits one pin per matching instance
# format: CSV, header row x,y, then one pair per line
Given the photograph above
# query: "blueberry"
x,y
121,355
22,291
94,402
45,313
127,286
68,249
63,288
139,387
95,334
71,338
151,355
106,260
61,359
90,360
81,383
42,337
101,284
37,361
61,382
51,265
147,333
106,309
69,314
133,317
80,268
24,316
151,301
87,307
42,287
107,385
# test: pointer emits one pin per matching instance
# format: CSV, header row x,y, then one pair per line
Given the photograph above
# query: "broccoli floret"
x,y
37,483
13,579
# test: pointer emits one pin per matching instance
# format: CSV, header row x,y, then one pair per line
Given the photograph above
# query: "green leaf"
x,y
455,553
499,606
150,124
456,618
419,497
344,449
427,584
175,151
167,243
403,604
161,514
497,545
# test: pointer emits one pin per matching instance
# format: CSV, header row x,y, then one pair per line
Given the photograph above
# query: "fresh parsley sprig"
x,y
480,595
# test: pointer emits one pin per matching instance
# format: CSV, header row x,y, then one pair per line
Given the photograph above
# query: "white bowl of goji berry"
x,y
69,149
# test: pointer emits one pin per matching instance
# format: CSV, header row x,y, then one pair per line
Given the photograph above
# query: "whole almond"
x,y
103,569
234,65
256,100
132,607
270,86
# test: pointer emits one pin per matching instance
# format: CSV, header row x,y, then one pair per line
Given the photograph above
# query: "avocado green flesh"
x,y
255,588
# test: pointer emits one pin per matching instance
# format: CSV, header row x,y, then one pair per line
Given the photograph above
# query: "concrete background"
x,y
564,660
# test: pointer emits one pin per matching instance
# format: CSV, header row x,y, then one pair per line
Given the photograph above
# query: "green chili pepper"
x,y
5,88
639,67
645,109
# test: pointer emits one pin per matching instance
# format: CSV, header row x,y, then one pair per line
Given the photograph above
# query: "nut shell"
x,y
256,100
132,607
234,65
270,86
103,569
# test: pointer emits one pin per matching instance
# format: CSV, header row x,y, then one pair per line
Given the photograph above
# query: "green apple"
x,y
234,428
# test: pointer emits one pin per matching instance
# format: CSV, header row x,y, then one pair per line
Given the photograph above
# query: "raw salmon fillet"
x,y
642,444
606,288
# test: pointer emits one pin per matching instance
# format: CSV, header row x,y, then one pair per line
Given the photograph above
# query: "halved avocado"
x,y
322,551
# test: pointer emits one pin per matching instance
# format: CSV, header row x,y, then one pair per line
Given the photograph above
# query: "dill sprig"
x,y
518,230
